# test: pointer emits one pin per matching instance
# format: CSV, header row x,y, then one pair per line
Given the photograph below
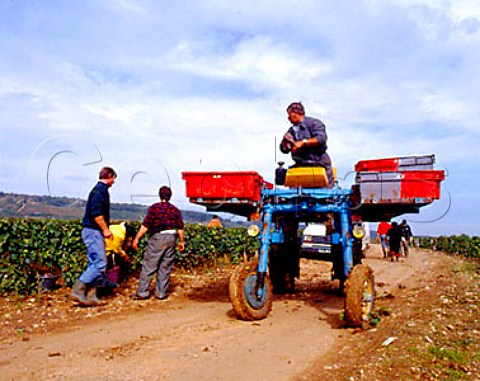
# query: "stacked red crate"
x,y
399,180
224,186
393,164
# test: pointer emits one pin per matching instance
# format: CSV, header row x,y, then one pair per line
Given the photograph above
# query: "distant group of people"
x,y
164,225
395,239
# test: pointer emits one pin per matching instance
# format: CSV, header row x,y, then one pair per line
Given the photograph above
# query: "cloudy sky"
x,y
154,88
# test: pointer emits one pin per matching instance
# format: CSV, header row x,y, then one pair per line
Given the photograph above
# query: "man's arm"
x,y
318,131
140,234
181,240
312,142
180,230
100,221
319,135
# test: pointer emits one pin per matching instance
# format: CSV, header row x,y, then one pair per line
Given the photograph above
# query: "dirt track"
x,y
195,337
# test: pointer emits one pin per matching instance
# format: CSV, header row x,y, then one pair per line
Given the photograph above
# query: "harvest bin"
x,y
393,164
233,192
383,195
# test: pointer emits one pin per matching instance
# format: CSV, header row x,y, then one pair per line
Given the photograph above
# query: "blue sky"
x,y
154,88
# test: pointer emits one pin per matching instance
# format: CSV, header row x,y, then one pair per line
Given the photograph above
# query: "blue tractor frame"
x,y
383,189
281,211
306,205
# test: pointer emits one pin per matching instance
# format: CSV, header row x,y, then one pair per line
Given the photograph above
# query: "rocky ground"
x,y
427,332
425,326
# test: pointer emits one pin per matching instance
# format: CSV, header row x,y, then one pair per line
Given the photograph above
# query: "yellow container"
x,y
307,177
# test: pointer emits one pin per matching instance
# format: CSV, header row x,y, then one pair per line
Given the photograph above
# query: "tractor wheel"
x,y
244,299
359,296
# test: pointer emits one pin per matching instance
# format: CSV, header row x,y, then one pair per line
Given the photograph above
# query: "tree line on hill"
x,y
14,205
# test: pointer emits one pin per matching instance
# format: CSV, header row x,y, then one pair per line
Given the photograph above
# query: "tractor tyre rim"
x,y
367,299
249,287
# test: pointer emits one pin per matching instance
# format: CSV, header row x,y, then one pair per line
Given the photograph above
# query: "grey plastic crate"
x,y
416,163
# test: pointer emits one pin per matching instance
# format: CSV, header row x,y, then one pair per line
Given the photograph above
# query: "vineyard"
x,y
462,245
427,310
30,248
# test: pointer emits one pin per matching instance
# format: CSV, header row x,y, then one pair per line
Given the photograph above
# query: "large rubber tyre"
x,y
242,293
359,296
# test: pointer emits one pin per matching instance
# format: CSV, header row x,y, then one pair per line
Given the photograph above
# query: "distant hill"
x,y
65,208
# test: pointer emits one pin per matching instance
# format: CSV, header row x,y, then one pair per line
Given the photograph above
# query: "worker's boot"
x,y
93,299
78,293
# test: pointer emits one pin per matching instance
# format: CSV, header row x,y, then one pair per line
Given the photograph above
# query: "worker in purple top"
x,y
306,139
164,225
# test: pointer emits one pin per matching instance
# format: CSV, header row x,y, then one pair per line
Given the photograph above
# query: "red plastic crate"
x,y
421,184
241,186
400,187
405,163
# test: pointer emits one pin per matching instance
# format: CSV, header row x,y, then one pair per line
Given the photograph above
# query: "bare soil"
x,y
427,316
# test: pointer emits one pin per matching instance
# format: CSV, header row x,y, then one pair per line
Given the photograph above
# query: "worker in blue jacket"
x,y
95,230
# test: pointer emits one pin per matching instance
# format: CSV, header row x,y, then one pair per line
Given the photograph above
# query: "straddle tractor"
x,y
383,189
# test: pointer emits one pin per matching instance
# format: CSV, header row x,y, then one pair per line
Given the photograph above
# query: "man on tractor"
x,y
306,139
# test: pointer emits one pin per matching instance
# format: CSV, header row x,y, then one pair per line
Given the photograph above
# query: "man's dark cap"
x,y
296,107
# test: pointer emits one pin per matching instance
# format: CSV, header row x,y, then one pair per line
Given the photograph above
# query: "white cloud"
x,y
259,62
464,9
125,6
197,86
